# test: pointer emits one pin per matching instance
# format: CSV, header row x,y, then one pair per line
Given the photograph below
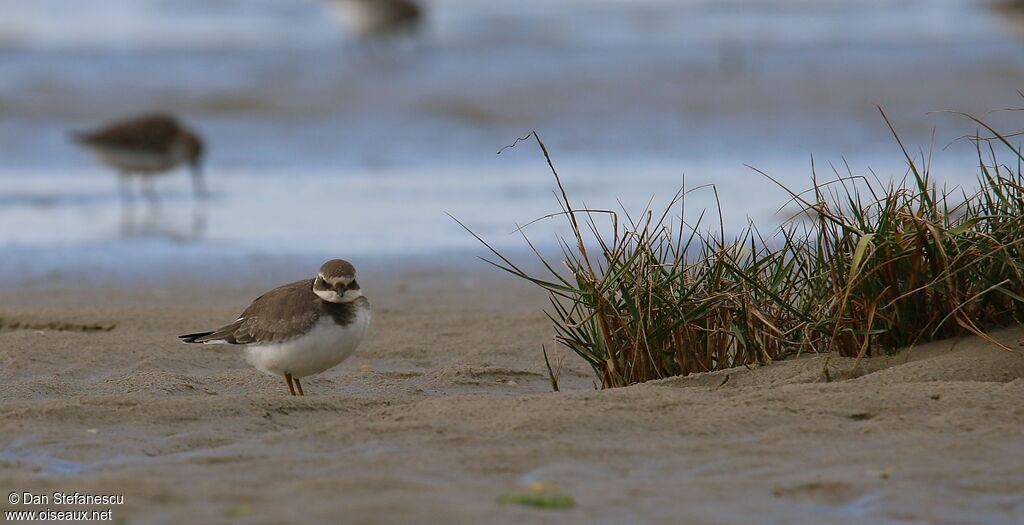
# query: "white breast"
x,y
323,347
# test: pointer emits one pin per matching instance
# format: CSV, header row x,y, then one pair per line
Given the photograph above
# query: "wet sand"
x,y
448,406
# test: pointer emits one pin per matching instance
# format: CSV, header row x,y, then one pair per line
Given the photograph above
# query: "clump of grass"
x,y
876,266
898,263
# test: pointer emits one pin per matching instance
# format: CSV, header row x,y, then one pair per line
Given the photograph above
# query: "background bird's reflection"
x,y
161,222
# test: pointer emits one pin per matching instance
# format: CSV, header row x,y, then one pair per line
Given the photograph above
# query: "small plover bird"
x,y
371,18
145,146
302,328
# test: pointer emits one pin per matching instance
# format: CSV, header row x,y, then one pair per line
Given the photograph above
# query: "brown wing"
x,y
148,132
276,316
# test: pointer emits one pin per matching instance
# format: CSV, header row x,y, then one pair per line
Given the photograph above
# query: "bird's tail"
x,y
194,338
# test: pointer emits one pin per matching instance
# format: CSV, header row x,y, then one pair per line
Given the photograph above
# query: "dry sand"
x,y
448,407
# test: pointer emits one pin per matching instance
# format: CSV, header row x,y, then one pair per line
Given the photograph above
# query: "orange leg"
x,y
288,378
298,386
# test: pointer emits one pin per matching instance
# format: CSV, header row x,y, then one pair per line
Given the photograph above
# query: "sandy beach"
x,y
448,407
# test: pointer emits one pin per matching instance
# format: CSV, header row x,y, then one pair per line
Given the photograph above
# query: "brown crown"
x,y
337,268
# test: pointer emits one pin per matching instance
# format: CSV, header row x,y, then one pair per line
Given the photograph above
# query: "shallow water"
x,y
322,145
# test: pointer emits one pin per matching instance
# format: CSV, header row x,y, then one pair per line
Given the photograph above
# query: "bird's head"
x,y
336,282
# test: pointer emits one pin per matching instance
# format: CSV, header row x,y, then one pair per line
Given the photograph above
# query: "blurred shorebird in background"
x,y
377,18
1010,16
146,146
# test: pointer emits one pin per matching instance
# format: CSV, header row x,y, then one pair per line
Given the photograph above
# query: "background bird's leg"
x,y
124,182
198,184
291,387
298,386
149,190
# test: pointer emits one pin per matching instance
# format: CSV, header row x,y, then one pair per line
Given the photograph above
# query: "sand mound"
x,y
969,359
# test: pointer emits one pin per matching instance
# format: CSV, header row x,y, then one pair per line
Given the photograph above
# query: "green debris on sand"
x,y
239,511
542,495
